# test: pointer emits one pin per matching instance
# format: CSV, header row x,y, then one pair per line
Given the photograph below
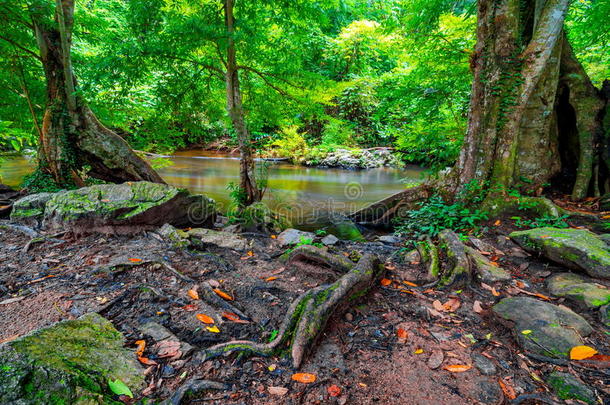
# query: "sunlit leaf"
x,y
305,378
457,368
193,294
213,329
582,352
119,388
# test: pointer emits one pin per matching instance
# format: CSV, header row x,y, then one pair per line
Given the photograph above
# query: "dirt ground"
x,y
393,346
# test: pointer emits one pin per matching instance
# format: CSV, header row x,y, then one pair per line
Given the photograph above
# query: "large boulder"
x,y
566,386
541,327
578,289
126,208
577,249
293,236
29,210
68,363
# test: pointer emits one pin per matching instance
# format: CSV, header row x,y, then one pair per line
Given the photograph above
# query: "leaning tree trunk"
x,y
534,115
72,138
247,184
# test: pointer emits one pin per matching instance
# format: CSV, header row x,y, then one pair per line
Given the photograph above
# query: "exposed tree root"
x,y
307,316
206,293
428,252
321,256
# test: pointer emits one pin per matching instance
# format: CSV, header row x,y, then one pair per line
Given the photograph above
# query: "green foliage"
x,y
290,144
544,221
303,241
39,182
14,138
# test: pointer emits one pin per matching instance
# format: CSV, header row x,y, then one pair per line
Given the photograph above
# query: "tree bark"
x,y
72,138
251,192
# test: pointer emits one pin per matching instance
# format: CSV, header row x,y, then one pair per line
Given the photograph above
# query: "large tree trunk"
x,y
72,138
534,119
251,192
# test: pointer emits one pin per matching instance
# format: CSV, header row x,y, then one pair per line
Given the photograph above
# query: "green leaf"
x,y
119,388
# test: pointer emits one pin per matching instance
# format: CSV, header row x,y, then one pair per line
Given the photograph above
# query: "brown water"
x,y
303,193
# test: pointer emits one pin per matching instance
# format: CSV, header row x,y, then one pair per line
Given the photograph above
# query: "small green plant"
x,y
321,232
544,221
302,242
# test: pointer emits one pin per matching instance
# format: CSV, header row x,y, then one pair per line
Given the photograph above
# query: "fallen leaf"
x,y
457,368
193,294
190,307
280,391
273,237
452,305
497,223
526,332
508,391
438,306
419,351
213,329
146,361
168,348
205,319
401,333
233,317
410,284
271,278
494,292
250,253
582,352
305,378
141,346
436,359
134,260
119,388
223,294
476,307
334,391
385,282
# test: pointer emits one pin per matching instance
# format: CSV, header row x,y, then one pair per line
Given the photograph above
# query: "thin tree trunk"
x,y
235,109
72,138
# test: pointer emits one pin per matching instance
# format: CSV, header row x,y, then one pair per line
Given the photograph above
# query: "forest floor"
x,y
393,346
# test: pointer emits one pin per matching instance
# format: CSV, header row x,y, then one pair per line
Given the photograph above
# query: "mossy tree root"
x,y
321,256
307,316
428,252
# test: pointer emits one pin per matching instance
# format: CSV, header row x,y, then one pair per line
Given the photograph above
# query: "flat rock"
x,y
293,236
329,240
127,208
67,363
29,210
566,386
483,364
551,330
577,249
227,240
578,289
391,239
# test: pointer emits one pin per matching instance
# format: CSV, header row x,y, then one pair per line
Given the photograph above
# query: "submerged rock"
x,y
67,363
543,328
127,208
578,289
566,386
577,249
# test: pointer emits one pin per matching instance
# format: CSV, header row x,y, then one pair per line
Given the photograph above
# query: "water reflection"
x,y
300,192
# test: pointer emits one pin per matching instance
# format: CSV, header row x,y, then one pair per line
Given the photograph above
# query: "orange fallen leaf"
x,y
146,361
190,307
410,283
495,292
271,278
507,390
305,378
385,282
600,357
457,368
520,284
193,294
495,264
233,317
497,223
250,253
141,346
223,294
273,237
582,352
401,333
606,217
204,318
334,391
134,260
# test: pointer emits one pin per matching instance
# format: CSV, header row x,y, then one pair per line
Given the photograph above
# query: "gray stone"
x,y
577,249
483,364
486,271
160,333
176,237
550,330
70,362
390,239
200,237
127,208
293,236
329,240
578,289
566,386
29,210
604,315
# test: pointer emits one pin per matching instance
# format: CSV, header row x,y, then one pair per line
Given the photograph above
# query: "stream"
x,y
302,193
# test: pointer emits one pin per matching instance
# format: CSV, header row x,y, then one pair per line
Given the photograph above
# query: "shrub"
x,y
290,144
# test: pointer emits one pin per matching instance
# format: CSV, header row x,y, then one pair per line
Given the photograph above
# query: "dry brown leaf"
x,y
452,305
508,391
205,319
305,378
223,294
169,348
477,307
279,391
457,368
438,306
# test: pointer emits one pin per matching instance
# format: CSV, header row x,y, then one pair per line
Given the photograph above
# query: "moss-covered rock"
x,y
127,208
577,249
258,217
30,209
200,237
177,238
68,363
566,386
541,327
578,289
604,315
